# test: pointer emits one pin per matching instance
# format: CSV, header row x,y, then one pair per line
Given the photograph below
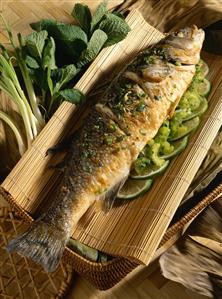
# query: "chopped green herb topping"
x,y
108,139
141,106
87,168
112,127
177,63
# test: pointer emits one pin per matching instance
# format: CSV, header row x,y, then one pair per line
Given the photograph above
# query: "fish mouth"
x,y
190,32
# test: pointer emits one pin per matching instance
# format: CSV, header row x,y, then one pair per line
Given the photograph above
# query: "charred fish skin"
x,y
124,119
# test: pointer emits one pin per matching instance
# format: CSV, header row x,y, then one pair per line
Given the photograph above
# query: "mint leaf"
x,y
98,15
70,40
70,32
31,62
45,24
39,77
82,15
48,59
63,75
94,46
115,27
35,43
49,81
60,30
73,96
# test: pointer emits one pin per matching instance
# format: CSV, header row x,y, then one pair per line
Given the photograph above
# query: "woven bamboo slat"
x,y
20,278
134,229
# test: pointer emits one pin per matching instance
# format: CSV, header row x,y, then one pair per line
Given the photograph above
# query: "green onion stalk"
x,y
27,105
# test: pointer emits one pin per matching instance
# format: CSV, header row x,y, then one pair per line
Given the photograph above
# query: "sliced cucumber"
x,y
190,125
132,188
178,145
202,87
150,171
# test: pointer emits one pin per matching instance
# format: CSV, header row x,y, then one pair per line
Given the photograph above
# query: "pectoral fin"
x,y
105,201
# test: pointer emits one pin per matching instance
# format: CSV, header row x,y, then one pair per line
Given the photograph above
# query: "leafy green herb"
x,y
73,96
45,24
35,43
94,46
115,28
31,62
82,15
47,76
63,75
48,60
62,31
98,15
70,39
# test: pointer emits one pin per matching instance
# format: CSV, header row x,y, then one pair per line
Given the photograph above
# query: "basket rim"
x,y
170,232
206,201
29,219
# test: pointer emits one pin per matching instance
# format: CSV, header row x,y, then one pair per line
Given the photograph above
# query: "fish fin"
x,y
42,243
62,146
110,196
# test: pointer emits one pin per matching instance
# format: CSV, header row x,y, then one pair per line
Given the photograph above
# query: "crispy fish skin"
x,y
127,116
100,160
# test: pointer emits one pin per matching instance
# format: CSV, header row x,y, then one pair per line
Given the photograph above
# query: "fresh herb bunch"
x,y
40,72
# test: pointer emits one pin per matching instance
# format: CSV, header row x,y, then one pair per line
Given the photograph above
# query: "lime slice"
x,y
202,87
202,68
179,146
190,125
152,170
196,112
133,188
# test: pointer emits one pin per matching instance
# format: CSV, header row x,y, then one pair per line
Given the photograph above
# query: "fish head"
x,y
185,45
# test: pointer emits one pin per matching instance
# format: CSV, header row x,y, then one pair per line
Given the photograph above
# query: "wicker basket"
x,y
105,275
21,278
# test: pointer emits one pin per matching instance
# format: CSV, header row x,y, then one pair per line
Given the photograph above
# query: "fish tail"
x,y
42,243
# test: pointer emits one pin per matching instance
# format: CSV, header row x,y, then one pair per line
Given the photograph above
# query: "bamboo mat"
x,y
134,229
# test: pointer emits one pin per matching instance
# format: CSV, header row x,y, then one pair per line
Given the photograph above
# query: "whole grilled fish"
x,y
127,116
